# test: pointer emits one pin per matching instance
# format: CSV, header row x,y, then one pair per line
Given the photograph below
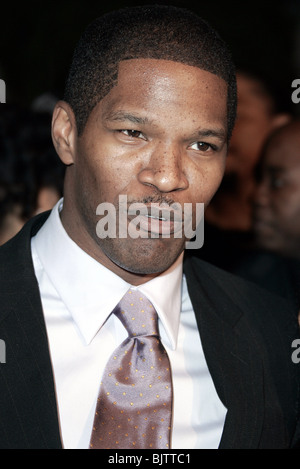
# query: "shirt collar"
x,y
90,291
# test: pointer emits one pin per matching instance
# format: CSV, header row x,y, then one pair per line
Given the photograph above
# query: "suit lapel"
x,y
27,397
236,371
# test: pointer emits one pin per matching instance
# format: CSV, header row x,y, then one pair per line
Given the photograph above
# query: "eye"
x,y
202,146
132,133
276,182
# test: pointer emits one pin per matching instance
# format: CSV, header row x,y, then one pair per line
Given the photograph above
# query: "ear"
x,y
64,132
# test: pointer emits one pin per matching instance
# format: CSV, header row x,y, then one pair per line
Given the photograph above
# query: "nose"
x,y
261,195
164,169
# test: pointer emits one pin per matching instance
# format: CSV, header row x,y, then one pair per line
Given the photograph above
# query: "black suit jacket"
x,y
246,336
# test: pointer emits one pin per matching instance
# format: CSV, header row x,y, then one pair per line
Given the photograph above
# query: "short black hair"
x,y
153,31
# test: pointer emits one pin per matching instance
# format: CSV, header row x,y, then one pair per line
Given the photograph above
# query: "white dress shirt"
x,y
78,295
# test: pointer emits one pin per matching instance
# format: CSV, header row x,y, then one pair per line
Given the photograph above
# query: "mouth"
x,y
262,227
157,220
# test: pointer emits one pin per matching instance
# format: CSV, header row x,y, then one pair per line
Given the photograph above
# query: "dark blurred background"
x,y
37,39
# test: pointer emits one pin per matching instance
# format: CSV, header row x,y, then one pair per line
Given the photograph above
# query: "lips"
x,y
157,220
262,226
157,226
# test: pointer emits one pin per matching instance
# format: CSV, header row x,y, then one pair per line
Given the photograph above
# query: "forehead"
x,y
251,93
157,84
169,71
284,150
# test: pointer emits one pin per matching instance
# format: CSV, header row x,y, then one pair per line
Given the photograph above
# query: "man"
x,y
148,111
31,175
277,215
229,217
277,207
258,115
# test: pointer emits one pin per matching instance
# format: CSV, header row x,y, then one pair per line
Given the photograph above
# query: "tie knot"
x,y
137,314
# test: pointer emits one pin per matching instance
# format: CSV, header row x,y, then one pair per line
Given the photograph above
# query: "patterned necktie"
x,y
134,408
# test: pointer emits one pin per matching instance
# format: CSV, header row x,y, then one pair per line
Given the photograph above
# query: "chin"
x,y
151,256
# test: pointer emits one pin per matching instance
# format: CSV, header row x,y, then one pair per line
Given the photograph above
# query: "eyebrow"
x,y
218,133
126,116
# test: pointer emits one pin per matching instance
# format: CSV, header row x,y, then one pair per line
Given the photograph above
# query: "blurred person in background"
x,y
277,201
229,216
31,174
16,178
275,265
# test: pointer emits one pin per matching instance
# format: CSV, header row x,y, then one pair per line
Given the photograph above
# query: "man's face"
x,y
277,204
159,136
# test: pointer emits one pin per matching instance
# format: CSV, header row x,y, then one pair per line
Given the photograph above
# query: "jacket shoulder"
x,y
248,296
16,265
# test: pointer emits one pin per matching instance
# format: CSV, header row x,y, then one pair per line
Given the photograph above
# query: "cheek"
x,y
96,178
205,182
285,207
212,178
